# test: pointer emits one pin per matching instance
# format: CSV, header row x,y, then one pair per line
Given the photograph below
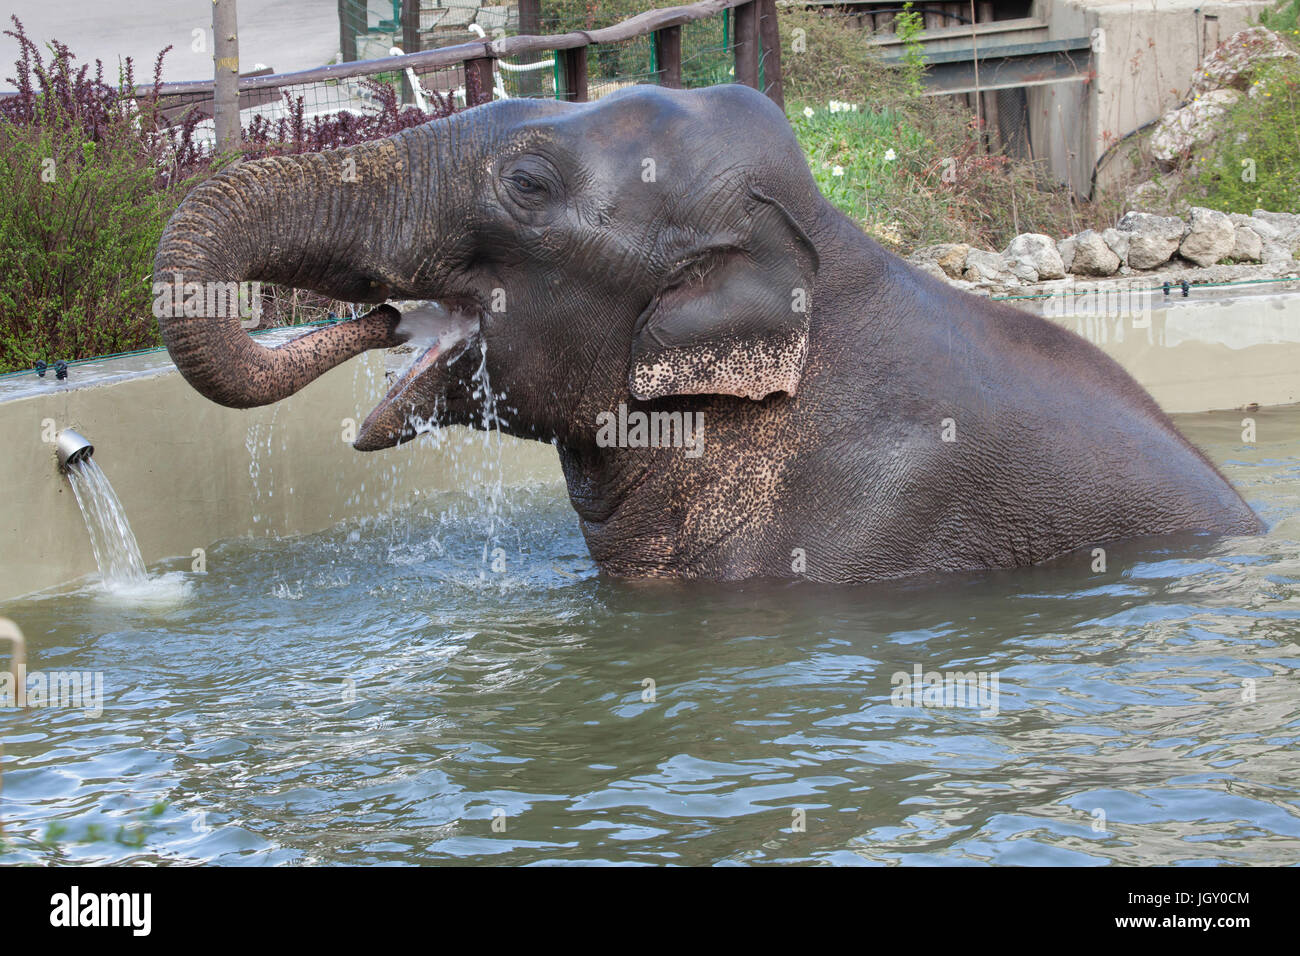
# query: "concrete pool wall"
x,y
1216,350
190,473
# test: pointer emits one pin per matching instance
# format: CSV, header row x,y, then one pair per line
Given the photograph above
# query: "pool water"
x,y
448,685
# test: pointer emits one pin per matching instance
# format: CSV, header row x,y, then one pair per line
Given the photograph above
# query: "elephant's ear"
x,y
733,320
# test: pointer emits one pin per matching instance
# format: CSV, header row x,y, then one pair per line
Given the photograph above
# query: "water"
x,y
111,539
379,694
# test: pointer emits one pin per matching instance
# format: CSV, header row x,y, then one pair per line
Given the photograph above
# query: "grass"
x,y
913,177
861,159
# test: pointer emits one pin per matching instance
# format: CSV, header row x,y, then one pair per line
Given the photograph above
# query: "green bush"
x,y
90,179
1283,18
1254,162
822,59
78,228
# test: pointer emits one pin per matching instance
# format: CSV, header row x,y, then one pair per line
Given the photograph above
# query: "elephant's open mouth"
x,y
441,334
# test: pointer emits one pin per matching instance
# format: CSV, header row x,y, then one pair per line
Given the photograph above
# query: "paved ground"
x,y
283,34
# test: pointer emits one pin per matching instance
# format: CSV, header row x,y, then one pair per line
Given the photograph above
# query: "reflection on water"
x,y
378,693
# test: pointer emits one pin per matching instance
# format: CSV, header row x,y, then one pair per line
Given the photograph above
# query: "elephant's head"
x,y
652,243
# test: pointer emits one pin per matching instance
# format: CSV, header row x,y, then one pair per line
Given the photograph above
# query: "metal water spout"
x,y
72,447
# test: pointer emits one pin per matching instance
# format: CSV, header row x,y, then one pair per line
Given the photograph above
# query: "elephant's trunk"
x,y
332,222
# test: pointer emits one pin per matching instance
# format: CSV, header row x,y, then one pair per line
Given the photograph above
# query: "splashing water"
x,y
482,476
116,551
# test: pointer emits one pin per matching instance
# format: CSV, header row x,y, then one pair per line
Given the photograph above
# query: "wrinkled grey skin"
x,y
681,291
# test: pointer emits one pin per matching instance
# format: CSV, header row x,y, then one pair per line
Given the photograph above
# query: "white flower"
x,y
889,156
837,171
808,112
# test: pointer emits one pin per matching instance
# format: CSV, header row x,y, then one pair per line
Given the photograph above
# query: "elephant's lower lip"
x,y
396,418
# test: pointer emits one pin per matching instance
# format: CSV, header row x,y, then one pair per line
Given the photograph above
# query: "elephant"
x,y
665,255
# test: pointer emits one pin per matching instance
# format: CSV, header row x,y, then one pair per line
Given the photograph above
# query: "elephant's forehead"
x,y
633,119
618,124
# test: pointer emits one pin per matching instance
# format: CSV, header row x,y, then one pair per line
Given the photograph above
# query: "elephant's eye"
x,y
525,183
530,187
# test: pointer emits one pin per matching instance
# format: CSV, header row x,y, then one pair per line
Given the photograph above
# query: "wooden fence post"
x,y
530,25
225,85
575,74
745,42
668,56
348,30
769,30
478,81
410,42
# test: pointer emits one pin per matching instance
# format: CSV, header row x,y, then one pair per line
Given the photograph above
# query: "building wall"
x,y
1145,68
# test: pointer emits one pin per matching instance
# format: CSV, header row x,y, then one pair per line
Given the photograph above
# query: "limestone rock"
x,y
1247,246
950,257
1152,239
1258,226
1031,256
930,267
1275,253
953,262
1092,256
1210,237
1236,57
1118,243
1285,224
1066,249
1182,129
983,266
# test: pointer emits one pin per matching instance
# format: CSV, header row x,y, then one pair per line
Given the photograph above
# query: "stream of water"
x,y
111,539
388,692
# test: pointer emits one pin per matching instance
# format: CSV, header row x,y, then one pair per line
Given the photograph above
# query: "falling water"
x,y
116,552
489,493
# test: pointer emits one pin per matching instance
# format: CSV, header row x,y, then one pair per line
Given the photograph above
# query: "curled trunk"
x,y
330,222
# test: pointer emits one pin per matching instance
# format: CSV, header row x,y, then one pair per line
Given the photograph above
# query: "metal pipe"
x,y
72,447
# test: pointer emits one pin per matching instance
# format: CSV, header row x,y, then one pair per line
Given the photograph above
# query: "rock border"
x,y
1207,246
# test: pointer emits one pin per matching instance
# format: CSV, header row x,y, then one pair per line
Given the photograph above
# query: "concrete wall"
x,y
1227,352
190,473
1151,51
